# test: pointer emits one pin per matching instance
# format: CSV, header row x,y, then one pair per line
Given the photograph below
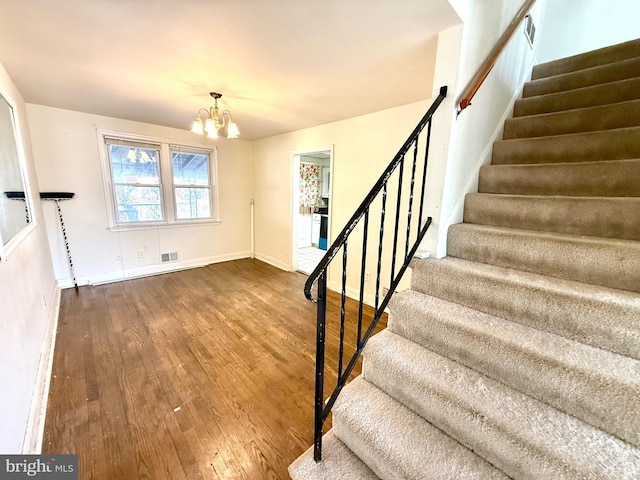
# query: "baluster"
x,y
424,175
413,181
379,267
363,268
342,303
395,235
320,343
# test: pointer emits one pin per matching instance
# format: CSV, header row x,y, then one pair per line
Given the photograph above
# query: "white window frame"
x,y
167,185
138,144
211,186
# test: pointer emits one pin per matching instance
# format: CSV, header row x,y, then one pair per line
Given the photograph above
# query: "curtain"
x,y
309,187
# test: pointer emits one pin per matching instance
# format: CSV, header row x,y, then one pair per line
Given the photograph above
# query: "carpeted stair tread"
x,y
607,262
583,381
518,354
608,178
599,74
338,462
617,144
590,119
521,436
601,56
605,217
605,94
398,444
598,316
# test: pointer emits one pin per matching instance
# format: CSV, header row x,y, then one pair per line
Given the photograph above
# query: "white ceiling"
x,y
281,65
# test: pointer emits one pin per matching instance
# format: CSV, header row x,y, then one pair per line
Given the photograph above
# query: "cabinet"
x,y
304,230
326,182
315,230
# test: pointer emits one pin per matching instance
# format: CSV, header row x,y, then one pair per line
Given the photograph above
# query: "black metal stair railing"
x,y
408,233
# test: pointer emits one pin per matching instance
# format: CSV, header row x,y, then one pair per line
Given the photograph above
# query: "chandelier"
x,y
214,123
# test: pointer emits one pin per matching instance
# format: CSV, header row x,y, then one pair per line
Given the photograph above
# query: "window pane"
x,y
190,168
193,203
131,164
138,204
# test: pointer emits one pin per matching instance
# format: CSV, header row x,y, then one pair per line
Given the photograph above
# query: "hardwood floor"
x,y
204,373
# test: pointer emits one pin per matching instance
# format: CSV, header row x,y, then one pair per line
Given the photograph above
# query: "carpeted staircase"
x,y
518,355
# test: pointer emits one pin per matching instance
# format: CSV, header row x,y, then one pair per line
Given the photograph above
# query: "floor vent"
x,y
169,257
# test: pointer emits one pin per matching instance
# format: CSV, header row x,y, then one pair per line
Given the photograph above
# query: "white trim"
x,y
192,149
167,185
294,169
163,225
7,248
17,239
158,269
37,414
272,261
253,228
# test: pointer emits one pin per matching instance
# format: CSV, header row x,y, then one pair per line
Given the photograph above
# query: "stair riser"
x,y
584,78
608,117
395,443
617,144
602,56
337,462
622,91
614,178
483,342
596,217
499,424
608,263
594,317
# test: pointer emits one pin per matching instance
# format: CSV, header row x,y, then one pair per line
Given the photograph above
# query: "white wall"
x,y
565,27
571,27
65,145
363,147
28,299
473,132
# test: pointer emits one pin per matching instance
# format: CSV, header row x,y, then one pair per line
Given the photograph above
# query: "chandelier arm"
x,y
214,119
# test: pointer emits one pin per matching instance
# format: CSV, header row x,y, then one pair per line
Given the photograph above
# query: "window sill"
x,y
163,225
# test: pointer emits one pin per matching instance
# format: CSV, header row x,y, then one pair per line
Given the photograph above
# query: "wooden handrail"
x,y
474,85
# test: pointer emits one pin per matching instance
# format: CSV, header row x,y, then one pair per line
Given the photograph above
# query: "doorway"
x,y
311,212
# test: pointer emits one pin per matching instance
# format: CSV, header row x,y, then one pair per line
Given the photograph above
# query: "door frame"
x,y
295,189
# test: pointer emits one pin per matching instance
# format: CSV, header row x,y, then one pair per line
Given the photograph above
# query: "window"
x,y
191,184
137,189
153,183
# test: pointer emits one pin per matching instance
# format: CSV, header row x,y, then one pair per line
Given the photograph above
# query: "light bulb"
x,y
197,126
209,125
232,129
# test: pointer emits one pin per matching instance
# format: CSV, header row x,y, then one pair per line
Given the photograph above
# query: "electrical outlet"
x,y
141,253
367,277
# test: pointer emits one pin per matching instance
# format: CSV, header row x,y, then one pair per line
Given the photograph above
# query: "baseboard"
x,y
272,261
150,270
37,414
